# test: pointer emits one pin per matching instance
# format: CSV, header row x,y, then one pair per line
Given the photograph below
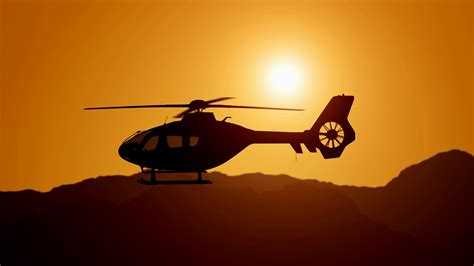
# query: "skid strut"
x,y
154,181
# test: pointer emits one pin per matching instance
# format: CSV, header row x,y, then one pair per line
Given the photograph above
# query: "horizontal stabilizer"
x,y
296,147
310,146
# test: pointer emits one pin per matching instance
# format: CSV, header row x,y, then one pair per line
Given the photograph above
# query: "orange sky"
x,y
410,66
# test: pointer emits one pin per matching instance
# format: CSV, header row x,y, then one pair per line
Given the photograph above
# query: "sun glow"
x,y
284,78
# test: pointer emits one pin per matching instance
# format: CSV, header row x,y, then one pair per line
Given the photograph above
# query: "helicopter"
x,y
199,142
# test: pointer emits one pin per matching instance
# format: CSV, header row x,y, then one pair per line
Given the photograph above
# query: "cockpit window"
x,y
193,141
135,137
151,143
175,141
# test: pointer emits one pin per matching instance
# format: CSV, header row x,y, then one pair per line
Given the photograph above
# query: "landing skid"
x,y
173,182
154,181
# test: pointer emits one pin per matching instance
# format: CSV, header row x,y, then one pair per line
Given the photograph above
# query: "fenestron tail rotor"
x,y
194,106
331,134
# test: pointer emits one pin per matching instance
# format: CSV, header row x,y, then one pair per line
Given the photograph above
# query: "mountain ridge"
x,y
250,219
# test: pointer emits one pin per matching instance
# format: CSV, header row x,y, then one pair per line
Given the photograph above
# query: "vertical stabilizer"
x,y
332,132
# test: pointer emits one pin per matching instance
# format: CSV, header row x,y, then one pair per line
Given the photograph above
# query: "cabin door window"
x,y
175,141
193,141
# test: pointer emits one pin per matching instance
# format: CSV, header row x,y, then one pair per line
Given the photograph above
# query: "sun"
x,y
284,78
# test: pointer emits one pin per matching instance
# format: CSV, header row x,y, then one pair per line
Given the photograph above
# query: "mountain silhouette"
x,y
422,217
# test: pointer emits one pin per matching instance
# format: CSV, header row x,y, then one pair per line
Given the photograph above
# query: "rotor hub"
x,y
332,134
198,105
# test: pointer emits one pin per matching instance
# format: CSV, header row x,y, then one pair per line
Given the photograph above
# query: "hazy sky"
x,y
410,66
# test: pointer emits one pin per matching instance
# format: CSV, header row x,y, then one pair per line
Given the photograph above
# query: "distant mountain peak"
x,y
445,168
454,153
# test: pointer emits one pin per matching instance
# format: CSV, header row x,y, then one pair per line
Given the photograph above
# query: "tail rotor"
x,y
331,134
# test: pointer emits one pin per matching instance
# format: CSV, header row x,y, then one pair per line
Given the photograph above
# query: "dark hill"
x,y
432,200
422,217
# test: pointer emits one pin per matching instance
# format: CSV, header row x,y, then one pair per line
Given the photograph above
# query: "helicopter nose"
x,y
127,151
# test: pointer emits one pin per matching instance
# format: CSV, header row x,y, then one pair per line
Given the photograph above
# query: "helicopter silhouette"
x,y
199,142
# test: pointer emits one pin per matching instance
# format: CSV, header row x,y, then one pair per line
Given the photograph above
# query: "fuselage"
x,y
196,143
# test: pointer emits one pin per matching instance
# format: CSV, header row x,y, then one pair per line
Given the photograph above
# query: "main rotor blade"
x,y
220,99
253,107
137,106
183,113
